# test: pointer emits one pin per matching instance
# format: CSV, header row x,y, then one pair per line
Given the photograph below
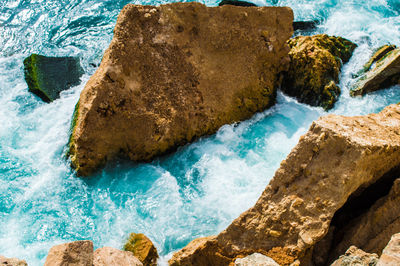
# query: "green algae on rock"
x,y
174,73
314,70
47,77
381,71
142,248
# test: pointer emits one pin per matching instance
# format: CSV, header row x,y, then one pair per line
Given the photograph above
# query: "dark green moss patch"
x,y
47,77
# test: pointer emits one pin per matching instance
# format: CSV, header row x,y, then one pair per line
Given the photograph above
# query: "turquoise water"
x,y
194,192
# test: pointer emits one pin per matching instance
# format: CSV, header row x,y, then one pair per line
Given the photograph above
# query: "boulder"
x,y
355,256
108,256
315,66
255,259
235,3
333,164
12,261
142,248
78,253
175,72
47,77
382,71
391,254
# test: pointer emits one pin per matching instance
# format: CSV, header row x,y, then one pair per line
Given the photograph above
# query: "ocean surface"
x,y
194,192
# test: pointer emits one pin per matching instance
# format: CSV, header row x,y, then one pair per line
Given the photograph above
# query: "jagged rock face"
x,y
337,158
142,248
108,256
176,72
78,253
315,67
383,71
391,253
12,261
355,256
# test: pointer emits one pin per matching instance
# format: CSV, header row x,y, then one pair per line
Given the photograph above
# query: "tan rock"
x,y
12,261
108,256
176,72
142,248
336,159
391,253
383,73
315,67
78,253
356,257
255,259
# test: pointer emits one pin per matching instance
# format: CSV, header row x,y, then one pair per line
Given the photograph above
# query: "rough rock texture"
x,y
383,72
314,69
47,77
108,256
391,254
338,158
142,248
356,257
176,72
372,230
255,259
378,55
12,261
78,253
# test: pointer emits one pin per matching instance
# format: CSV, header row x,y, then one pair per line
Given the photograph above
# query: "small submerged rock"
x,y
12,261
381,71
142,248
47,77
315,66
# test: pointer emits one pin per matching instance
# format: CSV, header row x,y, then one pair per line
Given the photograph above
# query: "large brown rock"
x,y
108,256
12,261
176,72
142,248
391,253
337,159
78,253
382,71
315,66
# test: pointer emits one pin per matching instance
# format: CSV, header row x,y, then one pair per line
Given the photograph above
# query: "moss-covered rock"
x,y
47,77
142,248
380,72
314,70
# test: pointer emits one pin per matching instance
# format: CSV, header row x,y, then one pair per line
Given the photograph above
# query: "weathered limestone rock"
x,y
372,230
383,71
391,253
337,159
256,259
12,261
47,77
78,253
108,256
356,257
177,72
314,69
142,248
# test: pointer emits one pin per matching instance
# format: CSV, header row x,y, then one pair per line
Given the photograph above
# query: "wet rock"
x,y
47,77
354,257
78,253
315,66
12,261
391,254
108,256
142,248
382,71
235,3
176,72
334,162
256,259
305,25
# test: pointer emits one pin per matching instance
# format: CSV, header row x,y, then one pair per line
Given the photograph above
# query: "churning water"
x,y
194,192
